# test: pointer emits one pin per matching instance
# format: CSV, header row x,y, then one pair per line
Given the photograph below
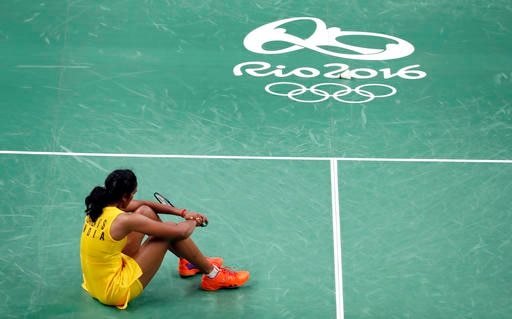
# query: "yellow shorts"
x,y
122,296
119,289
133,292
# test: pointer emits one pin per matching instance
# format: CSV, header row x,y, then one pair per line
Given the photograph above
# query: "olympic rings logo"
x,y
343,90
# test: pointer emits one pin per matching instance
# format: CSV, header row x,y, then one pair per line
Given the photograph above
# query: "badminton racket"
x,y
163,200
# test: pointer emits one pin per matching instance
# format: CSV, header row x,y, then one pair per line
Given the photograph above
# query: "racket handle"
x,y
203,224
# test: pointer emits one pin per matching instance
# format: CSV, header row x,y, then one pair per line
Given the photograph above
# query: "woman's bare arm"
x,y
127,223
164,209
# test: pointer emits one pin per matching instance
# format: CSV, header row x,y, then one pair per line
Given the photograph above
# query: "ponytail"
x,y
95,202
117,184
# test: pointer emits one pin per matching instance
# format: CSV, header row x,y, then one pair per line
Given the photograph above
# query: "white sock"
x,y
213,273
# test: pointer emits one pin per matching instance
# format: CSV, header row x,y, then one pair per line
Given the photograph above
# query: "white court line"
x,y
283,158
336,233
338,273
26,66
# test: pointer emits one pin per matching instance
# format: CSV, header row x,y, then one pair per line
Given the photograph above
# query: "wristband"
x,y
182,213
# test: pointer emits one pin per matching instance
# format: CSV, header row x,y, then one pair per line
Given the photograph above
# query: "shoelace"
x,y
228,271
229,276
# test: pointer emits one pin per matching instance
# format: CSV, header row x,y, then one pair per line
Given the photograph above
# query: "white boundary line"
x,y
336,235
22,66
338,272
283,158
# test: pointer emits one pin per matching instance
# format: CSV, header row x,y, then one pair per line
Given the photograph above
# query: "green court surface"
x,y
354,156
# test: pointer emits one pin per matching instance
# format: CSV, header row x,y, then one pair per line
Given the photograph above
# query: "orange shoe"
x,y
226,278
186,269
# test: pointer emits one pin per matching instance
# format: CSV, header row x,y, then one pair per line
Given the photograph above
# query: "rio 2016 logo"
x,y
320,40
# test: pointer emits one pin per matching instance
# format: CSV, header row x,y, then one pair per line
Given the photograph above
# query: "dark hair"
x,y
117,184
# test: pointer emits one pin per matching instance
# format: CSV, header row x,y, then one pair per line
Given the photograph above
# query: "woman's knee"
x,y
148,212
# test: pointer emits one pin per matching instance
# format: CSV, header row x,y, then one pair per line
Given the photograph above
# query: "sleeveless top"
x,y
107,272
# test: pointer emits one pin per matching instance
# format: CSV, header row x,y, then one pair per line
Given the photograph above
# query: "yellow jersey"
x,y
109,275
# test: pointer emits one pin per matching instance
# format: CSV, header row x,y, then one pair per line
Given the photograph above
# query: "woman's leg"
x,y
188,249
150,255
134,241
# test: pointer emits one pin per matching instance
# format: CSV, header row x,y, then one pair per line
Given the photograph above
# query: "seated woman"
x,y
117,264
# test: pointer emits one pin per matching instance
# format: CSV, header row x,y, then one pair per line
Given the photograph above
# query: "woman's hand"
x,y
200,219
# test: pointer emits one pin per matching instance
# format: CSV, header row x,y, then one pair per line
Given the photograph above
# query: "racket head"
x,y
162,199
